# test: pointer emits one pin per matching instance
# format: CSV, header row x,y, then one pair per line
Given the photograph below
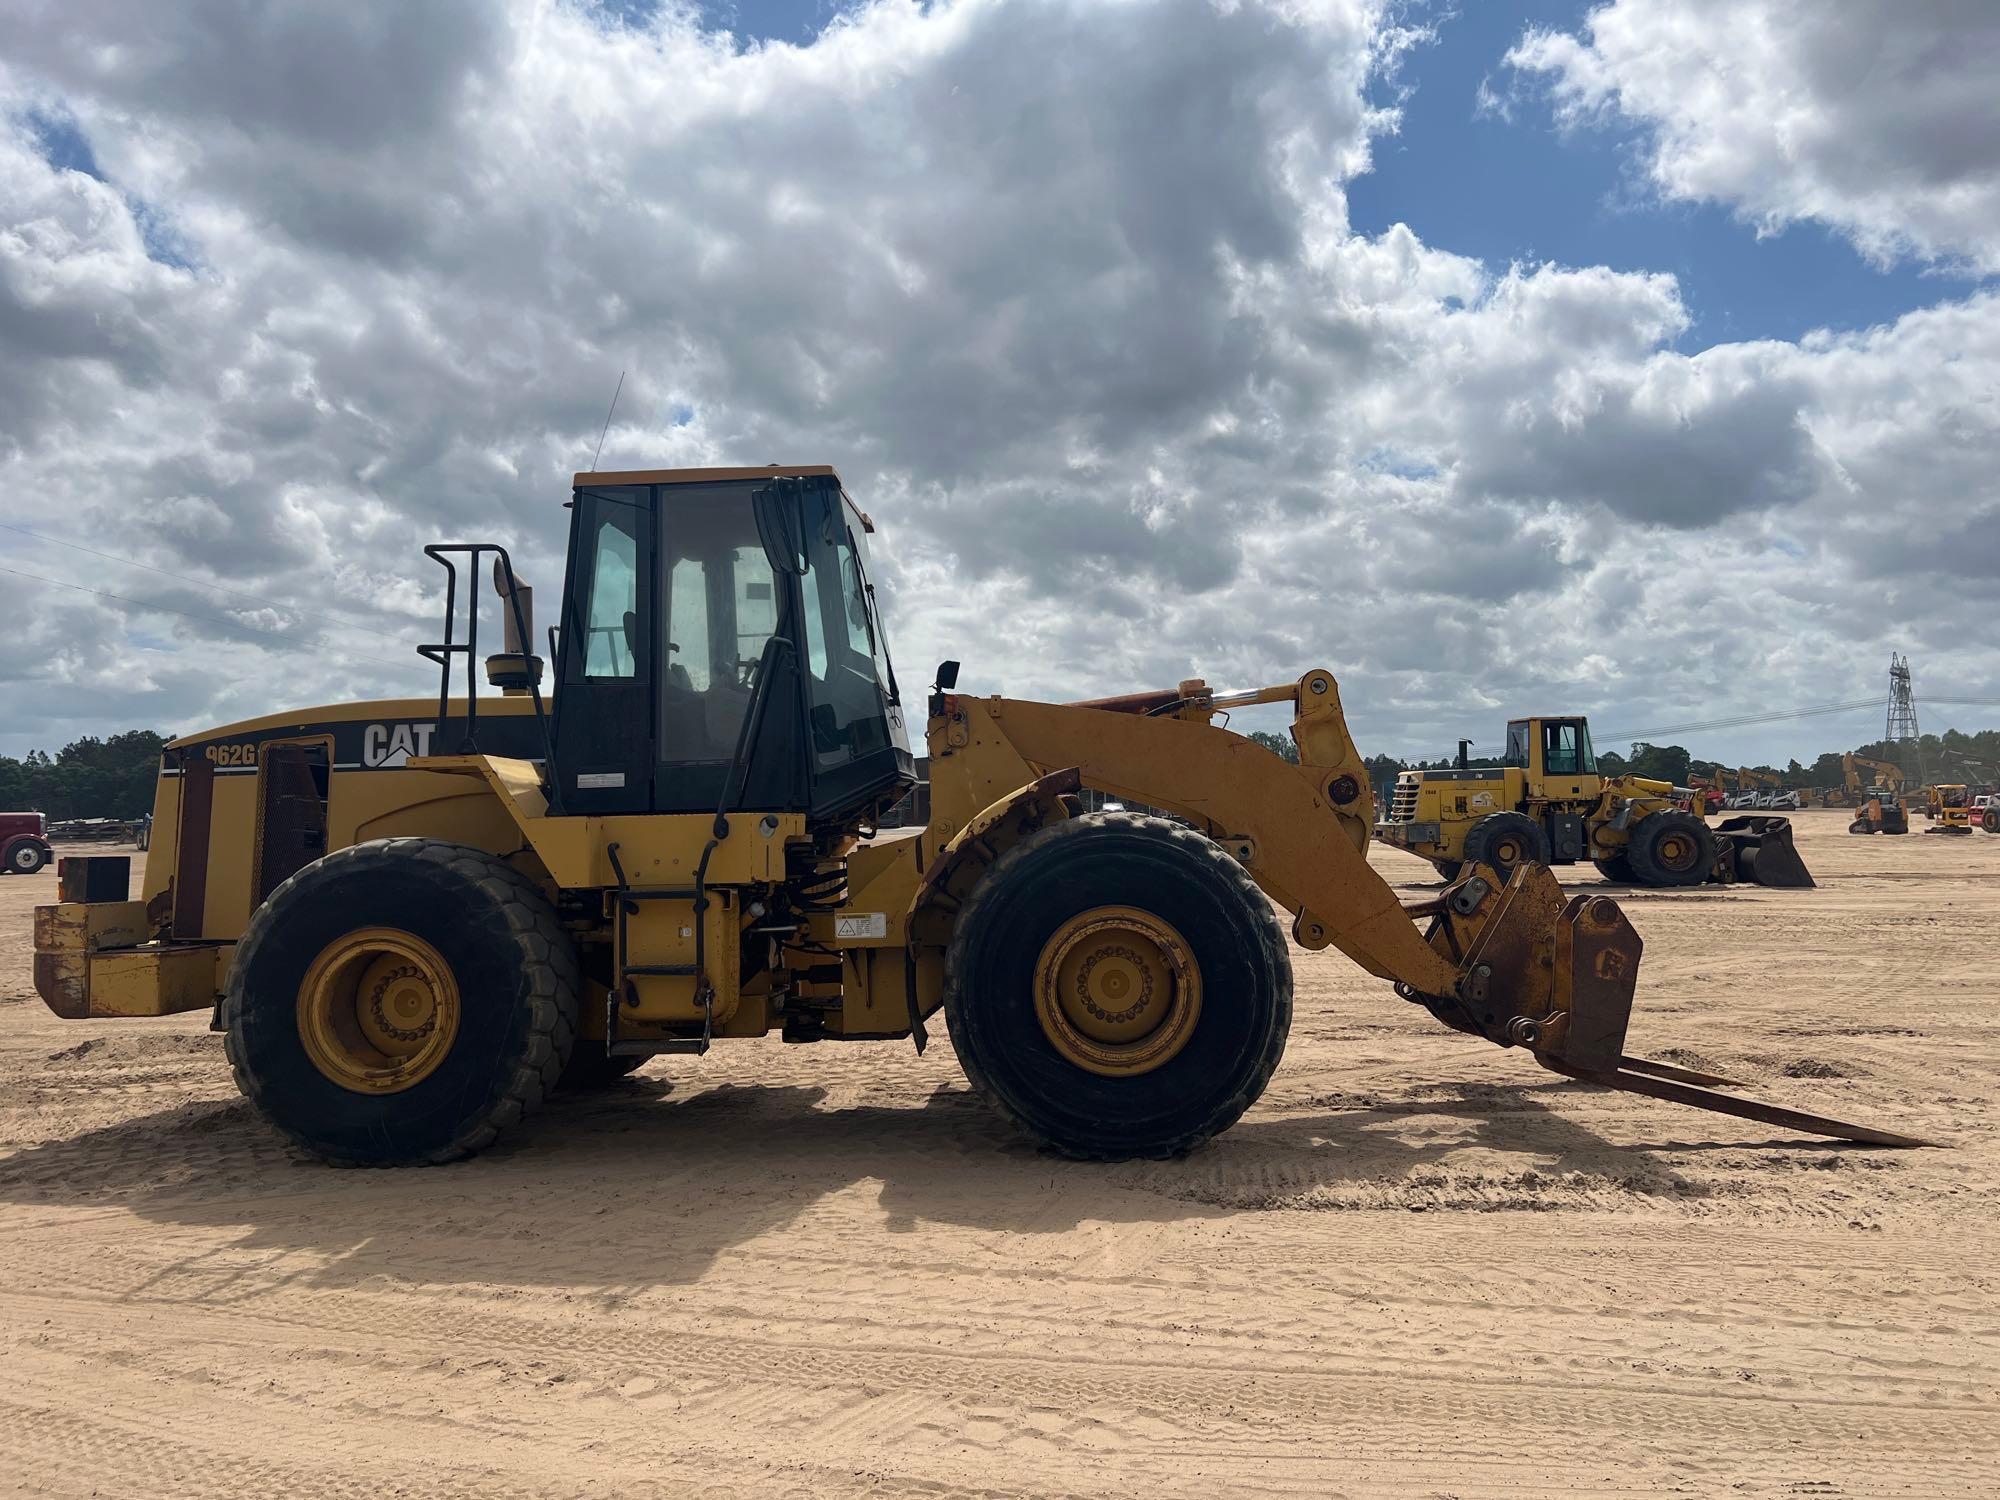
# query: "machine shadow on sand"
x,y
631,1191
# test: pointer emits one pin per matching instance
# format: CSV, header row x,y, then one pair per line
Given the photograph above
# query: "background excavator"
x,y
413,919
1881,808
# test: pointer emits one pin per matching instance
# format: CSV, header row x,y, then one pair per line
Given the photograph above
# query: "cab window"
x,y
1566,749
612,615
848,715
1517,745
721,607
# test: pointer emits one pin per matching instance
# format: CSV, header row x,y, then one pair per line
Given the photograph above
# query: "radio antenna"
x,y
607,421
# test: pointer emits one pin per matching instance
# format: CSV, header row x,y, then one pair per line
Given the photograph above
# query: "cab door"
x,y
1564,767
604,694
722,605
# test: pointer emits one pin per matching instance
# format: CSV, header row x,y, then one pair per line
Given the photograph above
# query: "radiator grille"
x,y
1403,806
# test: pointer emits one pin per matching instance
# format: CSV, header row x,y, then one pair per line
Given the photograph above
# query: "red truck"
x,y
24,842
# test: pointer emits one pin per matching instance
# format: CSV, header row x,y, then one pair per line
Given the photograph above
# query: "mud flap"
x,y
1759,850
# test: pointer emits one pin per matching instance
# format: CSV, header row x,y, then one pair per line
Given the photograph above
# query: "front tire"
x,y
1616,866
401,1002
26,857
1506,841
1670,849
1118,987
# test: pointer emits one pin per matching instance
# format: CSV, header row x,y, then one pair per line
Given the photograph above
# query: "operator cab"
x,y
1547,748
720,640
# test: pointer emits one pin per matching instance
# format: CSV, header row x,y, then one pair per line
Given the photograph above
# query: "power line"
x,y
1741,721
170,609
132,562
1744,721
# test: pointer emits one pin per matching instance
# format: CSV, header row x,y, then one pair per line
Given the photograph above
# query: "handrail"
x,y
443,651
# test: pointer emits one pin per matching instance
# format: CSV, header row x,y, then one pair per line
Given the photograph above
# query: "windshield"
x,y
1517,745
848,675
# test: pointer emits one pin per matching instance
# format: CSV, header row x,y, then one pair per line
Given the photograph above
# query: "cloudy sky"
x,y
1640,358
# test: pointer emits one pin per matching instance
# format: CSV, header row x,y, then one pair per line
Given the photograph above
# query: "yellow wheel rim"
x,y
1117,991
1677,851
378,1010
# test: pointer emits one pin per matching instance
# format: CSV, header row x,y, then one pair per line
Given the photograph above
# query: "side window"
x,y
1559,750
721,608
815,625
689,661
612,617
756,591
847,713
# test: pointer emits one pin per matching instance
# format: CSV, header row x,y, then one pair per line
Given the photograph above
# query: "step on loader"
x,y
414,919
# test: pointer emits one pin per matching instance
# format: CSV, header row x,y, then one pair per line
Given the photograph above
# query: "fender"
x,y
968,853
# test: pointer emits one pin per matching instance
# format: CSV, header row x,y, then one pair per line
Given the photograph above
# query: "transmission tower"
x,y
1902,730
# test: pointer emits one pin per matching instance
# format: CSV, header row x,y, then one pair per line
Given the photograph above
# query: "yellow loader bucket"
x,y
1760,850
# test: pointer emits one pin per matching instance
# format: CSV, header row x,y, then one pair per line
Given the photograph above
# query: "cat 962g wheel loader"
x,y
1547,803
416,919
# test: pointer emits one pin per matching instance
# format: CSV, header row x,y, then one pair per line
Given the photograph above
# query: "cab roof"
x,y
705,476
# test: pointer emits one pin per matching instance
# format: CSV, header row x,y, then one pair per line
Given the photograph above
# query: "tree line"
x,y
1951,756
87,778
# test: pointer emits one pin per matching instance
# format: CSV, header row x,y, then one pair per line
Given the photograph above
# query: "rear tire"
x,y
296,1025
1990,820
1668,849
1506,841
1005,972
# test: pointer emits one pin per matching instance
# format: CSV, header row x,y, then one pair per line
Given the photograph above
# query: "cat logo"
x,y
385,746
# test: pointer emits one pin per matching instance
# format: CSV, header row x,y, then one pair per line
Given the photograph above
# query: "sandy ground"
x,y
1419,1267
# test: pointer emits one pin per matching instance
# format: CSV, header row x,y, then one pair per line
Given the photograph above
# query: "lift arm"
x,y
1516,961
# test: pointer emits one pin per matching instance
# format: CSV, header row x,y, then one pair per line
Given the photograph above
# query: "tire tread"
x,y
1276,955
548,958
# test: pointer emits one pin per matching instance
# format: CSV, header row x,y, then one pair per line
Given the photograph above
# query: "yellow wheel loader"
x,y
1547,804
414,919
1949,806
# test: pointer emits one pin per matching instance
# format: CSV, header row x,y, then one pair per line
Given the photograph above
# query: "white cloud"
x,y
1877,118
1066,290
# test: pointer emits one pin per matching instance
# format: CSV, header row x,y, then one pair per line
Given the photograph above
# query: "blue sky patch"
x,y
1521,189
65,147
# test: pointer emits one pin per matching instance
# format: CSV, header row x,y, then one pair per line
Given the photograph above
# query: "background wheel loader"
x,y
415,919
1547,804
1949,805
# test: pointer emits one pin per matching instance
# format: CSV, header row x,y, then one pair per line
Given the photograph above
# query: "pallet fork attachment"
x,y
1557,976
